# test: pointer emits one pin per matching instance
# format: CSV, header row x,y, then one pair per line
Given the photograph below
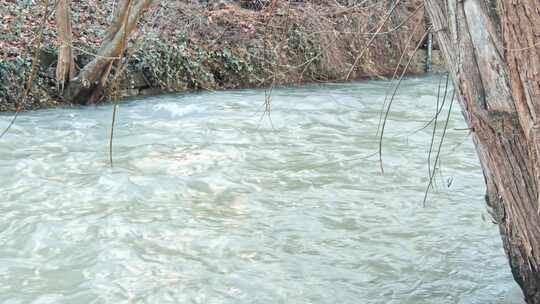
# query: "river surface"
x,y
209,203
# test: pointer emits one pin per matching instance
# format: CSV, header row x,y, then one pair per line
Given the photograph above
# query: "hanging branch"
x,y
30,80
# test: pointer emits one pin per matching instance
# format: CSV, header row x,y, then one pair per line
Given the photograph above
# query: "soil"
x,y
206,45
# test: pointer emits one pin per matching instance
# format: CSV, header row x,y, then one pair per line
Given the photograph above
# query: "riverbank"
x,y
227,44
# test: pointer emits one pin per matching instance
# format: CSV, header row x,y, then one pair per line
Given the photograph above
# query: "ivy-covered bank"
x,y
187,45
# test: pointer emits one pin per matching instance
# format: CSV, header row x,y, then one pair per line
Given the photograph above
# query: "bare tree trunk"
x,y
490,49
65,68
88,86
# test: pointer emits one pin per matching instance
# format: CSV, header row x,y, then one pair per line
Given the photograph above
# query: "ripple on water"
x,y
209,202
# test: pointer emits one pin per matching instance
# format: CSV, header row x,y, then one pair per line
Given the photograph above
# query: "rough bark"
x,y
495,64
89,84
65,68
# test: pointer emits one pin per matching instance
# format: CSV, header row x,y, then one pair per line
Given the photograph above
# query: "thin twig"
x,y
381,136
387,93
267,45
33,71
439,150
432,119
115,84
437,111
385,20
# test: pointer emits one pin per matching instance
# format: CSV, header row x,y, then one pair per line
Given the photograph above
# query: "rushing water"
x,y
207,203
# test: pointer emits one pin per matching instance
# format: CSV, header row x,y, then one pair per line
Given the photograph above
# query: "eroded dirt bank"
x,y
205,45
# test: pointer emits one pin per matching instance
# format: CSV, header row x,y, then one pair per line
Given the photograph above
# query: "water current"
x,y
209,201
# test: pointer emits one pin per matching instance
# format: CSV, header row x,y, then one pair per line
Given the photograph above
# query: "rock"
x,y
129,93
134,80
150,91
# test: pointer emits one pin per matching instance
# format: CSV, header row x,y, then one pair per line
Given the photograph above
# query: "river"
x,y
210,202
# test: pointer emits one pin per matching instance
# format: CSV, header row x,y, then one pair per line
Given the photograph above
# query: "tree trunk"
x,y
65,68
493,54
88,86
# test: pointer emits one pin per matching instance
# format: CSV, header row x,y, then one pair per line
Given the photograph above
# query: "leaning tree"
x,y
492,48
88,85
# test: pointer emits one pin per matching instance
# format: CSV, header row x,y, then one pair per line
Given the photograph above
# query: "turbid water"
x,y
207,203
